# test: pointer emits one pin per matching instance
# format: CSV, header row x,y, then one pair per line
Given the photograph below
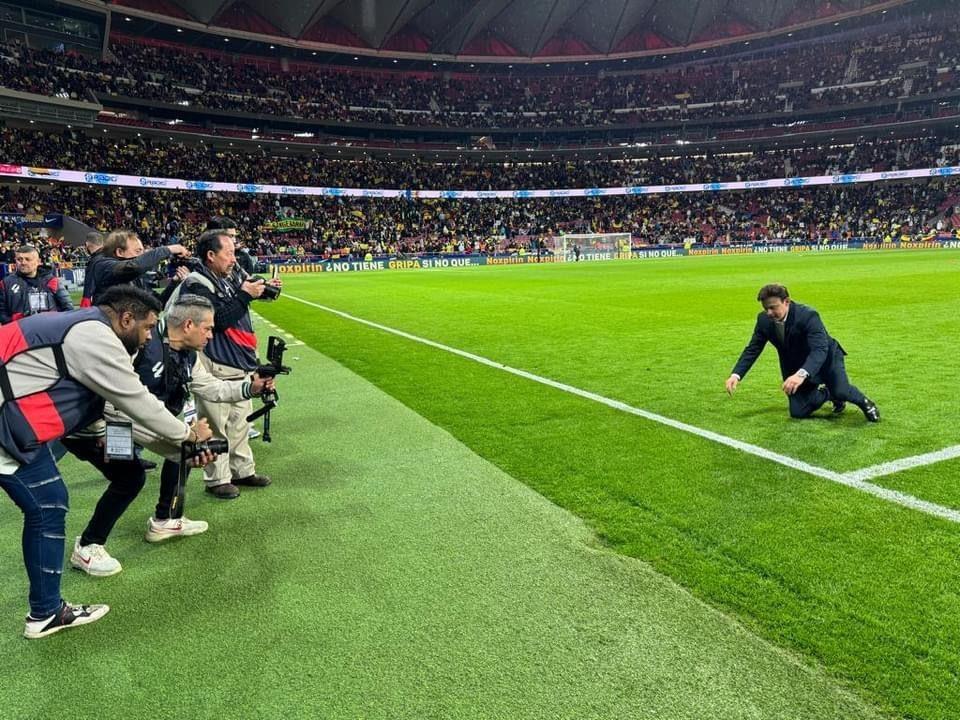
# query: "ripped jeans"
x,y
40,493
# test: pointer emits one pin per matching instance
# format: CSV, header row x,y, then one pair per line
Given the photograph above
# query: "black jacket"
x,y
806,344
104,272
21,296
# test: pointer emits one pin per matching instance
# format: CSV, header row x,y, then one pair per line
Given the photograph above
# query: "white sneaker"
x,y
94,560
67,616
160,530
252,433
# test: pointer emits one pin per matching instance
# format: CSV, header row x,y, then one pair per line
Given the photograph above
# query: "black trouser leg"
x,y
807,400
169,477
126,478
835,378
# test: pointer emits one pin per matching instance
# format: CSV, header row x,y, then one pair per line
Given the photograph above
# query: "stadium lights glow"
x,y
185,103
272,48
683,142
254,137
179,30
226,39
303,134
128,19
171,122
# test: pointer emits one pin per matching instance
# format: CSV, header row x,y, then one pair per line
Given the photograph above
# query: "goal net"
x,y
600,246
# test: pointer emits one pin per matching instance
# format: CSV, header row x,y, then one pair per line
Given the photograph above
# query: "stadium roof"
x,y
508,28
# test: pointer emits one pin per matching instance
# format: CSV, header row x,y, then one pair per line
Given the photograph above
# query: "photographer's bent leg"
x,y
228,421
127,479
40,493
169,478
217,414
241,455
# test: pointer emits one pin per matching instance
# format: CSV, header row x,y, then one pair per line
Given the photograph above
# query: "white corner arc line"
x,y
848,479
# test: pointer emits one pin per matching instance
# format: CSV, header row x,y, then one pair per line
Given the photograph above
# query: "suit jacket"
x,y
806,344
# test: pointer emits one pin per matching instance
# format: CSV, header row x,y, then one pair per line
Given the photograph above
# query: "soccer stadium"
x,y
409,359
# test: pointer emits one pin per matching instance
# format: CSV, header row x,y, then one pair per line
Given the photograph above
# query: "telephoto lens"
x,y
217,446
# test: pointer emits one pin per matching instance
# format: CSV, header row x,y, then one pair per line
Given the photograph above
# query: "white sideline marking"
x,y
851,479
895,466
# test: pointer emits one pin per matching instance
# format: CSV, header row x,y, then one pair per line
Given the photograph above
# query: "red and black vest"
x,y
36,410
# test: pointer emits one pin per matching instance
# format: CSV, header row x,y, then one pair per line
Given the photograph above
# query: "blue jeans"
x,y
40,493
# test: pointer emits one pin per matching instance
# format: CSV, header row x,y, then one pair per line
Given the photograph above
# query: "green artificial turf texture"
x,y
859,585
389,572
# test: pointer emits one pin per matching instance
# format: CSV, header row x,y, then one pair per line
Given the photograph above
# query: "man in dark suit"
x,y
811,362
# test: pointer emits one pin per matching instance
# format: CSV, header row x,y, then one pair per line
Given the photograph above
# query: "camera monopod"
x,y
275,348
182,474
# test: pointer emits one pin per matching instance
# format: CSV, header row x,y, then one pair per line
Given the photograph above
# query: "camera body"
x,y
270,292
191,263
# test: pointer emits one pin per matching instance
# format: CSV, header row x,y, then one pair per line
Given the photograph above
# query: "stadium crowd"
x,y
833,72
340,227
76,150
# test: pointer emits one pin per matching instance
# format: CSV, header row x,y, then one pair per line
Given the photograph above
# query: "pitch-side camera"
x,y
217,446
270,292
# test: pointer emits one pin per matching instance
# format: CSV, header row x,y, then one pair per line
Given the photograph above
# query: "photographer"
x,y
31,290
169,368
123,261
231,354
61,368
93,242
245,261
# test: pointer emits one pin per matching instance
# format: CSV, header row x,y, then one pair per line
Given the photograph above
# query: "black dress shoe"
x,y
253,481
148,464
839,406
870,411
225,491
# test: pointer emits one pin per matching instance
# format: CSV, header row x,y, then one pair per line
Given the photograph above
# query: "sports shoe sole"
x,y
157,537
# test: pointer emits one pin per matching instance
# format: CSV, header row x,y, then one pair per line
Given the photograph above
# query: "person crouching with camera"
x,y
230,355
168,366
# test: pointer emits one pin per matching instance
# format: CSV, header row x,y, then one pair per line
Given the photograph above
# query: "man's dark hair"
x,y
221,223
129,298
774,290
209,241
93,238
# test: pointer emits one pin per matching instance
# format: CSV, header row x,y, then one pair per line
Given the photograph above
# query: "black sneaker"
x,y
839,406
870,411
148,465
66,617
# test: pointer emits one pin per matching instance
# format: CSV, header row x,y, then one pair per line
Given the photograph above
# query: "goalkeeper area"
x,y
600,246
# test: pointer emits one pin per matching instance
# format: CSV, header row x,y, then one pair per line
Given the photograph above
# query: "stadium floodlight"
x,y
592,246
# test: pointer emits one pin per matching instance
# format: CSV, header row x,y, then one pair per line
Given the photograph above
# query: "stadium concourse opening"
x,y
512,248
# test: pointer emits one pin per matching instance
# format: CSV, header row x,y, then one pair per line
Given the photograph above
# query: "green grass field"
x,y
445,539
